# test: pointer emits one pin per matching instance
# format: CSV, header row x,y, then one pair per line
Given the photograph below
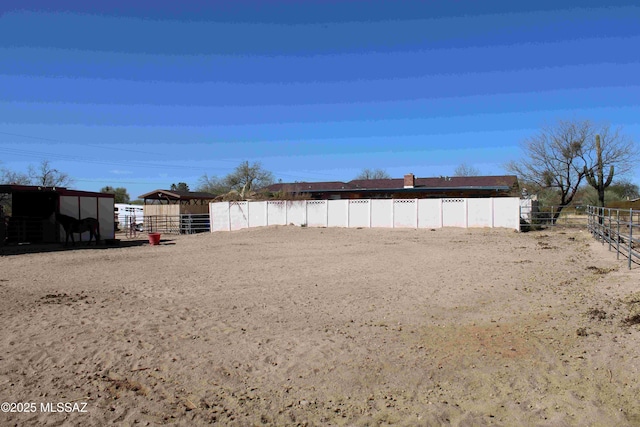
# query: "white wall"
x,y
258,214
239,215
317,215
480,212
405,213
381,213
392,213
276,212
338,213
454,213
296,212
359,213
504,208
429,213
219,216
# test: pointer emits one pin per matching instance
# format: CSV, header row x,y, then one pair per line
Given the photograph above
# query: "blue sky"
x,y
131,95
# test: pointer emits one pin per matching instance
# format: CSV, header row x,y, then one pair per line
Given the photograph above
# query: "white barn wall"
x,y
359,213
106,218
400,213
80,207
69,207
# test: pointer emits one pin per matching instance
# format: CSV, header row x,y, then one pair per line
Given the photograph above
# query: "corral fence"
x,y
368,213
534,216
620,228
177,224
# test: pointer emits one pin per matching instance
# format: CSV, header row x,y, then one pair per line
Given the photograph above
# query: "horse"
x,y
72,225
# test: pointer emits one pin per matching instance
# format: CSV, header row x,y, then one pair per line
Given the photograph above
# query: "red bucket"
x,y
154,238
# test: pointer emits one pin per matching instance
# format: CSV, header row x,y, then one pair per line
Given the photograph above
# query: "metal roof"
x,y
176,195
501,182
63,191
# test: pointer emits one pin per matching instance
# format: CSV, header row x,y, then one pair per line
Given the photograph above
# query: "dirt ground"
x,y
319,327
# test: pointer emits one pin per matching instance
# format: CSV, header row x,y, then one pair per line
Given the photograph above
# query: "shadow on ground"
x,y
28,248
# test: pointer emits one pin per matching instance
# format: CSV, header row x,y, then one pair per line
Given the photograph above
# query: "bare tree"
x,y
248,177
11,177
466,170
553,158
559,156
212,185
47,176
373,174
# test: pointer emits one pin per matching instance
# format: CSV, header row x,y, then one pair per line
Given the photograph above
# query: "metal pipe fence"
x,y
177,224
618,228
549,216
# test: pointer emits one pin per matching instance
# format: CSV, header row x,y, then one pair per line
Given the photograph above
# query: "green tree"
x,y
120,193
373,174
624,189
181,186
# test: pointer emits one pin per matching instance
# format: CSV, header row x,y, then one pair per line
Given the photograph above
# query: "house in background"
x,y
398,188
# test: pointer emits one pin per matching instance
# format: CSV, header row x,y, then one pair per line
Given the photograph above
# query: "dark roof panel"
x,y
456,182
177,195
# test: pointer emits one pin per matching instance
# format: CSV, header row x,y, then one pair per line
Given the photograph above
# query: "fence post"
x,y
630,235
393,213
609,229
618,234
326,217
601,222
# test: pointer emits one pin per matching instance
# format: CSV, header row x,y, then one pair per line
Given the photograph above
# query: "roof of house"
x,y
501,182
176,195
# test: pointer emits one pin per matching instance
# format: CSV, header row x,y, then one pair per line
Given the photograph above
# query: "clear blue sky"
x,y
131,95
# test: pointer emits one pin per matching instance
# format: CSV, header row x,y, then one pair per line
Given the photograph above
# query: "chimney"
x,y
409,181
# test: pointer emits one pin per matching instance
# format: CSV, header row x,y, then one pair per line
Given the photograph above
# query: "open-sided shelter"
x,y
171,203
33,208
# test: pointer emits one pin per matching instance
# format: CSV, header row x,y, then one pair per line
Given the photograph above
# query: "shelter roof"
x,y
176,195
63,191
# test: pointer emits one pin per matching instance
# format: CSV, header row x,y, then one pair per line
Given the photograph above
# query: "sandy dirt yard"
x,y
323,327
